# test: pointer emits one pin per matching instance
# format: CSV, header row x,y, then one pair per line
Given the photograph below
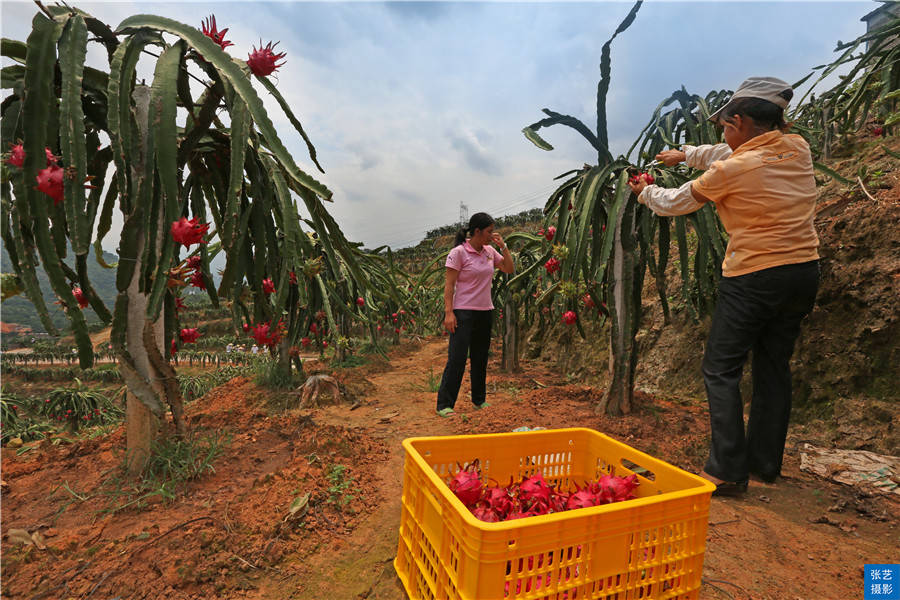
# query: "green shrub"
x,y
78,405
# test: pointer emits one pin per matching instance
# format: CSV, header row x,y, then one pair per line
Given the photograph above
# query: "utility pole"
x,y
463,214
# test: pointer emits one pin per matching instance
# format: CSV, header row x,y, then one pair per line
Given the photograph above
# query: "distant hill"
x,y
19,309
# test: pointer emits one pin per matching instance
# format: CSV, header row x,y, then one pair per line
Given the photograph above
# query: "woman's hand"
x,y
670,158
450,322
498,241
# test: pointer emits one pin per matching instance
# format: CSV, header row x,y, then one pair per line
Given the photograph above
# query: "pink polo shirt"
x,y
476,272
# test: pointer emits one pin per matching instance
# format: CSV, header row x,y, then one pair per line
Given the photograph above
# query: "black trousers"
x,y
471,339
759,311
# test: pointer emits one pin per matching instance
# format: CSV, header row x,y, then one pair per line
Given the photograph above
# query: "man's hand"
x,y
638,187
670,158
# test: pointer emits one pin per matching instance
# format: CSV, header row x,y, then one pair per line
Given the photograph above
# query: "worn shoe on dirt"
x,y
482,405
446,412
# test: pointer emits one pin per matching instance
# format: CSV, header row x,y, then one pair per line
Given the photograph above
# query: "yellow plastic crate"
x,y
647,548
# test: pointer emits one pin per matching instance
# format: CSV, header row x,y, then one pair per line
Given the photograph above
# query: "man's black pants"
x,y
759,311
471,339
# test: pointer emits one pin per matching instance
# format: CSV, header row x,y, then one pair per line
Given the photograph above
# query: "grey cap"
x,y
765,88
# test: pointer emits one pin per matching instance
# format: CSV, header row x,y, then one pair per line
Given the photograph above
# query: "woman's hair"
x,y
765,114
478,221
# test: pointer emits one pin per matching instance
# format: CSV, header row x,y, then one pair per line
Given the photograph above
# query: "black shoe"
x,y
731,489
765,478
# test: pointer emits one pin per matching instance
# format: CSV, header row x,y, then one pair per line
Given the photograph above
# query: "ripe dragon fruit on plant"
x,y
80,297
50,181
189,335
209,29
188,231
552,265
262,61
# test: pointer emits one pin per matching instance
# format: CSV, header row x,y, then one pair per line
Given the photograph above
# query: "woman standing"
x,y
468,310
765,194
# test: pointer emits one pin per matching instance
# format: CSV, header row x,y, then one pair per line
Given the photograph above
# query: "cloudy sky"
x,y
415,107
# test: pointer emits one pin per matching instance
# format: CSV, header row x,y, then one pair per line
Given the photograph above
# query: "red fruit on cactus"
x,y
189,336
246,327
305,342
552,265
588,301
648,178
209,30
324,343
188,231
292,277
396,330
541,232
179,303
551,231
268,286
50,181
16,155
51,158
394,316
80,297
313,328
467,486
194,262
877,131
197,280
569,317
173,348
262,61
360,302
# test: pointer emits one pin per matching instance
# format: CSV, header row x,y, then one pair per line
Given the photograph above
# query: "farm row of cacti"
x,y
596,242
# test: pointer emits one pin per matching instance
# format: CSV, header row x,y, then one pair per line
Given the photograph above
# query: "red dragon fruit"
x,y
50,181
80,297
268,286
498,499
209,29
188,231
552,265
189,336
535,490
16,155
197,280
550,233
262,61
486,514
467,485
569,317
581,499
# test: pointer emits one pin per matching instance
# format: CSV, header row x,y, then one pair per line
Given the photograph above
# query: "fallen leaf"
x,y
298,507
19,536
38,540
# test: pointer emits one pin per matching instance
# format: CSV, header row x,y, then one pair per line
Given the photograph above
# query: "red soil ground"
x,y
224,535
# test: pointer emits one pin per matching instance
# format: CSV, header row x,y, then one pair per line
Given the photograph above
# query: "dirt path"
x,y
762,547
222,535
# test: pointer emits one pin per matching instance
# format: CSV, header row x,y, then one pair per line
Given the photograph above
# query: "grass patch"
x,y
172,464
340,481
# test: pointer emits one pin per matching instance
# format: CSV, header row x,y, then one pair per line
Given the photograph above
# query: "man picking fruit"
x,y
764,191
